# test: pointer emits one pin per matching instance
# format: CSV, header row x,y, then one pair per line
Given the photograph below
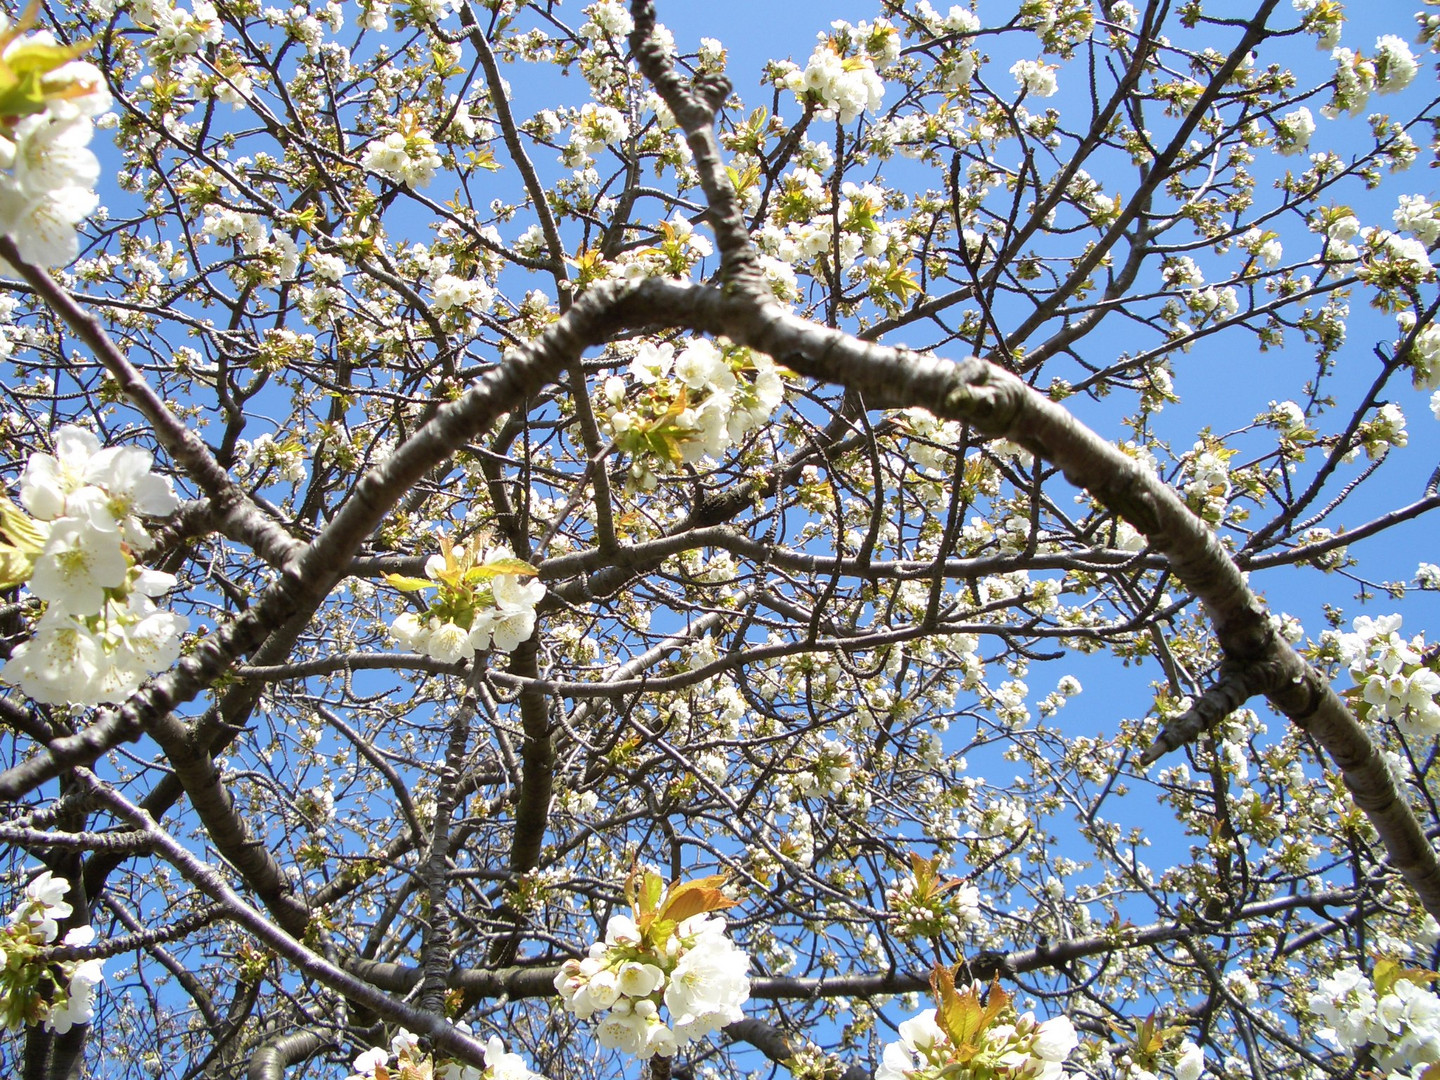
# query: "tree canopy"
x,y
530,548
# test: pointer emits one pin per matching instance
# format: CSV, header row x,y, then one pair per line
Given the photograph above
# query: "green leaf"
x,y
901,283
444,66
644,888
1388,972
408,584
657,931
21,95
962,1014
1384,976
482,159
652,888
42,58
742,182
23,91
696,898
923,870
306,219
15,567
491,570
20,529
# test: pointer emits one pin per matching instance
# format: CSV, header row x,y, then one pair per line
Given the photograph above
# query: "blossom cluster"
x,y
482,598
1394,264
841,75
406,157
47,171
1290,419
1325,21
101,633
607,20
411,1061
830,771
34,924
1390,70
673,953
1390,671
1293,132
932,440
958,20
1423,355
679,248
454,293
806,227
925,906
596,127
182,33
975,1032
268,454
1150,1057
1382,431
1035,77
1207,482
1263,244
458,290
1390,1010
693,403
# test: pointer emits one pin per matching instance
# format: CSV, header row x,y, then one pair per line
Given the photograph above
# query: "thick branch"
x,y
270,1061
537,780
1003,406
1237,684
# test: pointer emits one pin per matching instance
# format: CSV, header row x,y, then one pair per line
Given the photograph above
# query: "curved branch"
x,y
1003,406
272,1058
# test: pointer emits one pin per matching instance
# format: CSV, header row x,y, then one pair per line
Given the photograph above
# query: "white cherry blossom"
x,y
1035,78
78,564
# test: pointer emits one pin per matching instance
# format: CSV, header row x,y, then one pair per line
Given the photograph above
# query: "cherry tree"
x,y
530,549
